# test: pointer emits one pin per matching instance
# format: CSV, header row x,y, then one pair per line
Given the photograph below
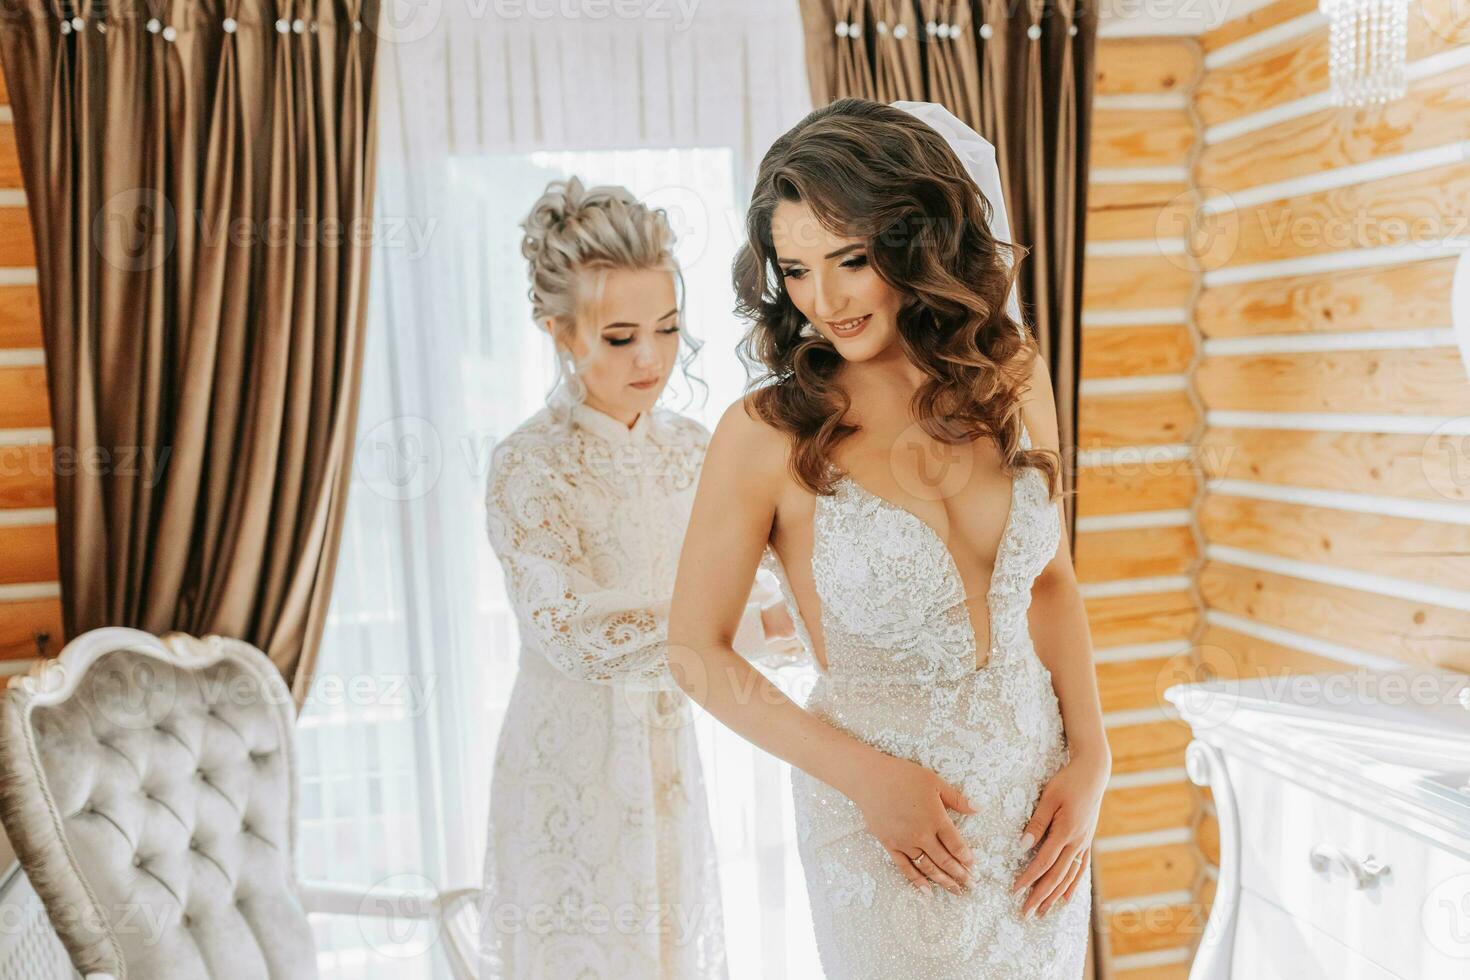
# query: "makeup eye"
x,y
792,272
673,329
856,262
618,341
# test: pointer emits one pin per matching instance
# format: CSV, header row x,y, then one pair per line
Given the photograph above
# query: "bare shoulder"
x,y
1039,406
745,442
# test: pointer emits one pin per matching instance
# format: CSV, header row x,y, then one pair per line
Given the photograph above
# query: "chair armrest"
x,y
324,898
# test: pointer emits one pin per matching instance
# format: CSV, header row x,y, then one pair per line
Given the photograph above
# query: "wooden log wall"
x,y
1336,449
30,602
1137,545
30,599
1290,353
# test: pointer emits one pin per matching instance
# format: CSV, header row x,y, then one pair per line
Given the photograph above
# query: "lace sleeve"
x,y
588,631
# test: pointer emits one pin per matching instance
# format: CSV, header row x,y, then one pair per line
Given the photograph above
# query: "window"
x,y
397,740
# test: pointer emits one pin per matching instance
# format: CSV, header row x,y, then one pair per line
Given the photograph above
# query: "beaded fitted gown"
x,y
902,676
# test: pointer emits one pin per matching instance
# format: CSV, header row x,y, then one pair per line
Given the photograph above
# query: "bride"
x,y
898,470
600,858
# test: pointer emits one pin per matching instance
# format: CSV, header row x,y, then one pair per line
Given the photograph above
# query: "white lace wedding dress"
x,y
600,860
901,654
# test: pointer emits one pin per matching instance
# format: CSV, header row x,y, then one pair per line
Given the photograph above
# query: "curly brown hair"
x,y
871,171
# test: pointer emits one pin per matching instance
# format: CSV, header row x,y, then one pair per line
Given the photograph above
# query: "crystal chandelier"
x,y
1368,40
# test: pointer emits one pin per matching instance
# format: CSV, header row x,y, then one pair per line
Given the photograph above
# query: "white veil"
x,y
978,155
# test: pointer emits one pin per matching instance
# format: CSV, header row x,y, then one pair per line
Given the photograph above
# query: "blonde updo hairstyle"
x,y
574,236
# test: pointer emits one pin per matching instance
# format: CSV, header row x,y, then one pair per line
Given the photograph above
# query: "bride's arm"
x,y
1058,617
732,519
1065,818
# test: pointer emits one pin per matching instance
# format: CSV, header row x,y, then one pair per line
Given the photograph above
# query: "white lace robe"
x,y
600,861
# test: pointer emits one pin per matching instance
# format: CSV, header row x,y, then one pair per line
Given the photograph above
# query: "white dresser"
x,y
1343,803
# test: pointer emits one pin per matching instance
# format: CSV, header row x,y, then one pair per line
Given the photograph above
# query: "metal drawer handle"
x,y
1365,873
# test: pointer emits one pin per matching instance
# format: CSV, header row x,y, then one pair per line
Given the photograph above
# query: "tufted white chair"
x,y
148,786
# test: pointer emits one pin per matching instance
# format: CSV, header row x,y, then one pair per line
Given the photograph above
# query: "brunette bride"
x,y
898,468
600,859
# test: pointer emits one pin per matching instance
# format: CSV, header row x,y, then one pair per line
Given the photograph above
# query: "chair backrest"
x,y
29,949
149,793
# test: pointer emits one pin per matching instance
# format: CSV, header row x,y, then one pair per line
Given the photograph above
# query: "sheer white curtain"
x,y
480,104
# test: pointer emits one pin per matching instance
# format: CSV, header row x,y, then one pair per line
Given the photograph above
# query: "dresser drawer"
x,y
1297,850
1270,944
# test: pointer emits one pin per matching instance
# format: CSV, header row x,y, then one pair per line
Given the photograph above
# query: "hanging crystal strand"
x,y
1363,67
1369,81
1367,47
1398,48
1367,65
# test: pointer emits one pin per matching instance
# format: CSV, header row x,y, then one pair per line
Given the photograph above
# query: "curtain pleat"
x,y
1020,74
199,179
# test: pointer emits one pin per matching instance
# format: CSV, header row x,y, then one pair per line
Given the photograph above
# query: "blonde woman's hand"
x,y
778,622
906,806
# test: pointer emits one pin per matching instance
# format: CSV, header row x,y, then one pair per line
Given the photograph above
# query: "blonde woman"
x,y
600,861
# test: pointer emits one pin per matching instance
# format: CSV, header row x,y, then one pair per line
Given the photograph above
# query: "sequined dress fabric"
x,y
901,676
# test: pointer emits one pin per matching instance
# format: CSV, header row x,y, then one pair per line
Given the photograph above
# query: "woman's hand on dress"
x,y
904,806
777,621
1065,821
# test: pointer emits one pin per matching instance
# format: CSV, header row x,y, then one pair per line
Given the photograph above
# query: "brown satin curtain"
x,y
1019,72
199,178
1031,97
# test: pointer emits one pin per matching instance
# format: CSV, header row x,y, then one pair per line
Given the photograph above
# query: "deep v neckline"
x,y
954,566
